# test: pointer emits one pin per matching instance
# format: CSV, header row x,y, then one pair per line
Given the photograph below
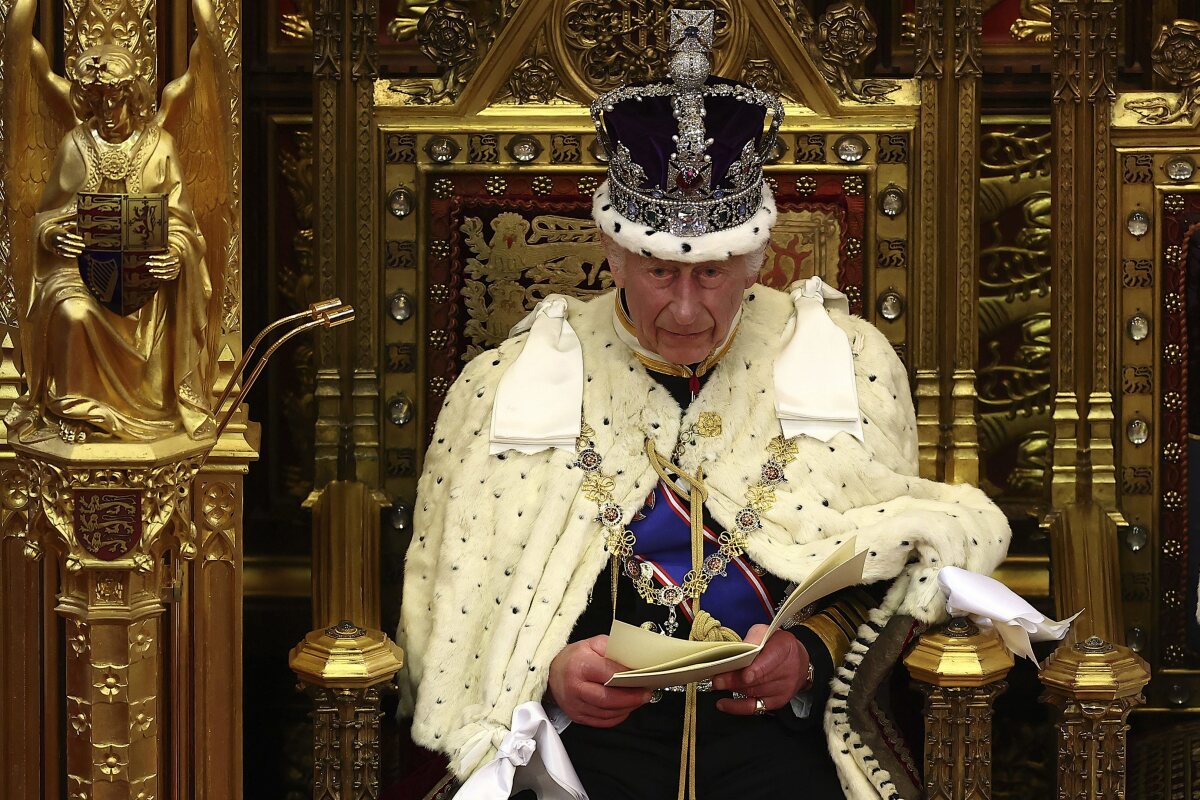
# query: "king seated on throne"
x,y
114,315
674,454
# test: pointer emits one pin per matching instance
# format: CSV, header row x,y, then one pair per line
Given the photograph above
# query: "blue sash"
x,y
739,599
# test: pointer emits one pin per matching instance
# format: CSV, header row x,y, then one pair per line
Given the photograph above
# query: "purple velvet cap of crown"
x,y
646,127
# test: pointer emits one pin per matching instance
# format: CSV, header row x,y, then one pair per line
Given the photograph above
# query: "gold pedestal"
x,y
1094,685
344,668
141,558
960,669
117,520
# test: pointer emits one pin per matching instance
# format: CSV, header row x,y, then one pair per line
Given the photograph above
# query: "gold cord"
x,y
705,627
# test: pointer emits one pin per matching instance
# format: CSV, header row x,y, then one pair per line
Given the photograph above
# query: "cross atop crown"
x,y
691,30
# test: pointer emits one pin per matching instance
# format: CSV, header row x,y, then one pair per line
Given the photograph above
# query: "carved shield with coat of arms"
x,y
121,232
108,522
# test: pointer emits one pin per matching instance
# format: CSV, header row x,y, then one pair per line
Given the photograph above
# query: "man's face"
x,y
682,311
112,111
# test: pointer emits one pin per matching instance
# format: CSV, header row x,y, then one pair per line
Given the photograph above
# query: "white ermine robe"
x,y
506,548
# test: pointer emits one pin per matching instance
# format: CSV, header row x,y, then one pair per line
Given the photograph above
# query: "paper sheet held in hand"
x,y
656,661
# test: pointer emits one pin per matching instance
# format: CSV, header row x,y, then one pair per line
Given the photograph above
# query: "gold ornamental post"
x,y
960,669
1094,685
118,534
342,666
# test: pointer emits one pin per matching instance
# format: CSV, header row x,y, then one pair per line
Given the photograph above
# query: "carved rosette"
x,y
454,34
534,81
840,43
1176,57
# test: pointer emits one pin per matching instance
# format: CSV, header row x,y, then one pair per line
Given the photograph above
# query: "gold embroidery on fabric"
x,y
709,424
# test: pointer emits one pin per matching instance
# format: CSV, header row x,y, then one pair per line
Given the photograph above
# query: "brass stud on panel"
x,y
524,148
892,201
1138,327
891,305
400,410
1180,168
1138,223
851,148
1136,537
442,149
401,306
400,202
1137,431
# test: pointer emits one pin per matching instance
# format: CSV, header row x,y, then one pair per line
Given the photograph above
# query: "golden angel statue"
x,y
117,341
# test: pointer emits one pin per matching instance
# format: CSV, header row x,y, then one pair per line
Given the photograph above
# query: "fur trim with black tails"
x,y
751,236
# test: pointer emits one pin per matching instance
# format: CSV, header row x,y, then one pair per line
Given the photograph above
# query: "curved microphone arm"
x,y
326,314
314,311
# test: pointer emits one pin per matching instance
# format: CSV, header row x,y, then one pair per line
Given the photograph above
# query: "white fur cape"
x,y
507,548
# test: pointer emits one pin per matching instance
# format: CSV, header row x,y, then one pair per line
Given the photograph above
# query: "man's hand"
x,y
577,676
64,241
164,266
780,671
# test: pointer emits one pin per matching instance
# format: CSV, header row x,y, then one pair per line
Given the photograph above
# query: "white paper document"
x,y
655,661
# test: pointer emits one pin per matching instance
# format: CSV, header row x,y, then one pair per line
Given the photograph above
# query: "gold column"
x,y
930,72
949,70
348,379
22,660
346,521
960,669
342,668
206,670
116,519
962,265
1102,35
341,665
1083,93
1067,33
1083,483
1086,572
1094,685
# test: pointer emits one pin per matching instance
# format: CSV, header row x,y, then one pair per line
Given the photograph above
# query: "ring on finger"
x,y
760,708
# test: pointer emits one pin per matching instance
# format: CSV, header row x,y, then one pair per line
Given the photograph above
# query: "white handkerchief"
x,y
989,602
539,399
531,756
815,393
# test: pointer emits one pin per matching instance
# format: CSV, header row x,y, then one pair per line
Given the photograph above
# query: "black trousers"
x,y
738,758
